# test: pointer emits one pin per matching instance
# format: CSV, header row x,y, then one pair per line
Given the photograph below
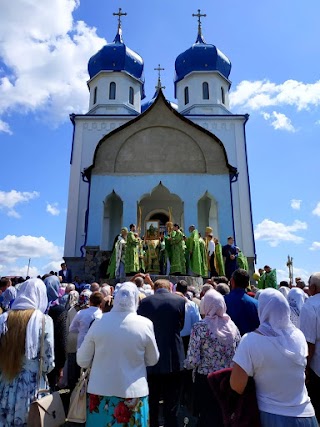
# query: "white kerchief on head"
x,y
32,295
127,298
275,323
219,323
285,291
296,299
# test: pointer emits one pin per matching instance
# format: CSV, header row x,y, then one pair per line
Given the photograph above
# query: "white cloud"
x,y
14,247
295,204
53,265
53,209
4,127
316,210
14,270
46,52
277,232
9,200
279,121
255,95
315,246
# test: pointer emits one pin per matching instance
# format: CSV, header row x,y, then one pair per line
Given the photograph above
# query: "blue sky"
x,y
274,50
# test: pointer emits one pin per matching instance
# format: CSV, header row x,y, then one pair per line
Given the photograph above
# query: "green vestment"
x,y
195,258
218,259
111,271
204,257
268,280
132,254
242,261
152,255
178,261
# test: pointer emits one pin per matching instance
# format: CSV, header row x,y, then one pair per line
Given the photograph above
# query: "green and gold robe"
x,y
132,254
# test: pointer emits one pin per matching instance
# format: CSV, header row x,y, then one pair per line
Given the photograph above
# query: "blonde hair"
x,y
12,343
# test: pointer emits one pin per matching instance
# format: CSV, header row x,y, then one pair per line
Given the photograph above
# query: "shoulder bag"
x,y
78,402
47,411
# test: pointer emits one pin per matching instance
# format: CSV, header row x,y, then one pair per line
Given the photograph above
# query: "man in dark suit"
x,y
65,273
166,311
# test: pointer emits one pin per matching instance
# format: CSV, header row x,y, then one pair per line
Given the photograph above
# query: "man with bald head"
x,y
310,326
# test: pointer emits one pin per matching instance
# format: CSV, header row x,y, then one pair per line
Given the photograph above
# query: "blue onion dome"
x,y
116,56
201,56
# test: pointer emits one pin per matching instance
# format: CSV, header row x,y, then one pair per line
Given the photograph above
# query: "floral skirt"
x,y
112,411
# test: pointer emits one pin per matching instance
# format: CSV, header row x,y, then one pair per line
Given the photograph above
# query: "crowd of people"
x,y
151,348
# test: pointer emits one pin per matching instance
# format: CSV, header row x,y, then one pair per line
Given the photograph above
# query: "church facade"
x,y
134,162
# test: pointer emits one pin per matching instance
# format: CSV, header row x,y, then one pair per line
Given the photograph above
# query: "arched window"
x,y
112,90
205,90
223,99
186,95
95,95
131,95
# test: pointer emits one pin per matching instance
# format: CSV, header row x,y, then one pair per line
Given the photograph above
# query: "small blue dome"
x,y
201,57
116,56
148,104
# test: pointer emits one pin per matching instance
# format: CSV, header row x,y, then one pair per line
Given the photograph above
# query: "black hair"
x,y
182,286
176,225
230,237
241,278
284,283
131,226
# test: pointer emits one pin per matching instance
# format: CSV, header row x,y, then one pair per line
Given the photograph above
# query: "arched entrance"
x,y
160,205
208,214
112,220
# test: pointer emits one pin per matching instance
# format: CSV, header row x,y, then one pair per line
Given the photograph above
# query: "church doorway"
x,y
208,214
161,205
112,220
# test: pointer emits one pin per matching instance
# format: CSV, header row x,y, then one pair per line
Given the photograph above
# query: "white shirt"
x,y
280,383
192,315
211,247
310,326
121,346
82,321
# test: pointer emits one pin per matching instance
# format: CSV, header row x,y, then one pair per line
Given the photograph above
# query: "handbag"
x,y
47,411
78,402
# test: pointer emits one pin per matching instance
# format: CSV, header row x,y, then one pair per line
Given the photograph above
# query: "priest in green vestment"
x,y
178,260
204,256
115,270
195,258
242,261
268,279
218,258
132,265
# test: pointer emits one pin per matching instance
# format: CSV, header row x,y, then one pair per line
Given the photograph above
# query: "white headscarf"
x,y
296,299
285,291
32,295
219,323
127,298
275,323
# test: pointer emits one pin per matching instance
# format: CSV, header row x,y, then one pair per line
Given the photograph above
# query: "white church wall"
x,y
198,105
88,132
230,130
190,188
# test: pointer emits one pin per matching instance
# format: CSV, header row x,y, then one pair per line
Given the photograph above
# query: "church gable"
x,y
160,141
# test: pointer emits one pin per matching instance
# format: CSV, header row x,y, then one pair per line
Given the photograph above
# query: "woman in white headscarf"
x,y
275,355
20,338
296,299
119,347
212,345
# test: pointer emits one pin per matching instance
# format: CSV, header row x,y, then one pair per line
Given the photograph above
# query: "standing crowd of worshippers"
x,y
174,254
172,350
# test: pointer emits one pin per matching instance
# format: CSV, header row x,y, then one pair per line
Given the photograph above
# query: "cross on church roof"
x,y
119,14
159,69
199,15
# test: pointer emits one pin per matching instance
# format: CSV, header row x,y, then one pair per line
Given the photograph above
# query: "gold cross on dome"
x,y
199,15
119,14
159,69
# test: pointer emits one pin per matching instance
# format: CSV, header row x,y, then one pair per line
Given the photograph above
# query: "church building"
x,y
134,161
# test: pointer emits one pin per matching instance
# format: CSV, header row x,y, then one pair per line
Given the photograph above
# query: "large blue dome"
x,y
116,56
201,56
